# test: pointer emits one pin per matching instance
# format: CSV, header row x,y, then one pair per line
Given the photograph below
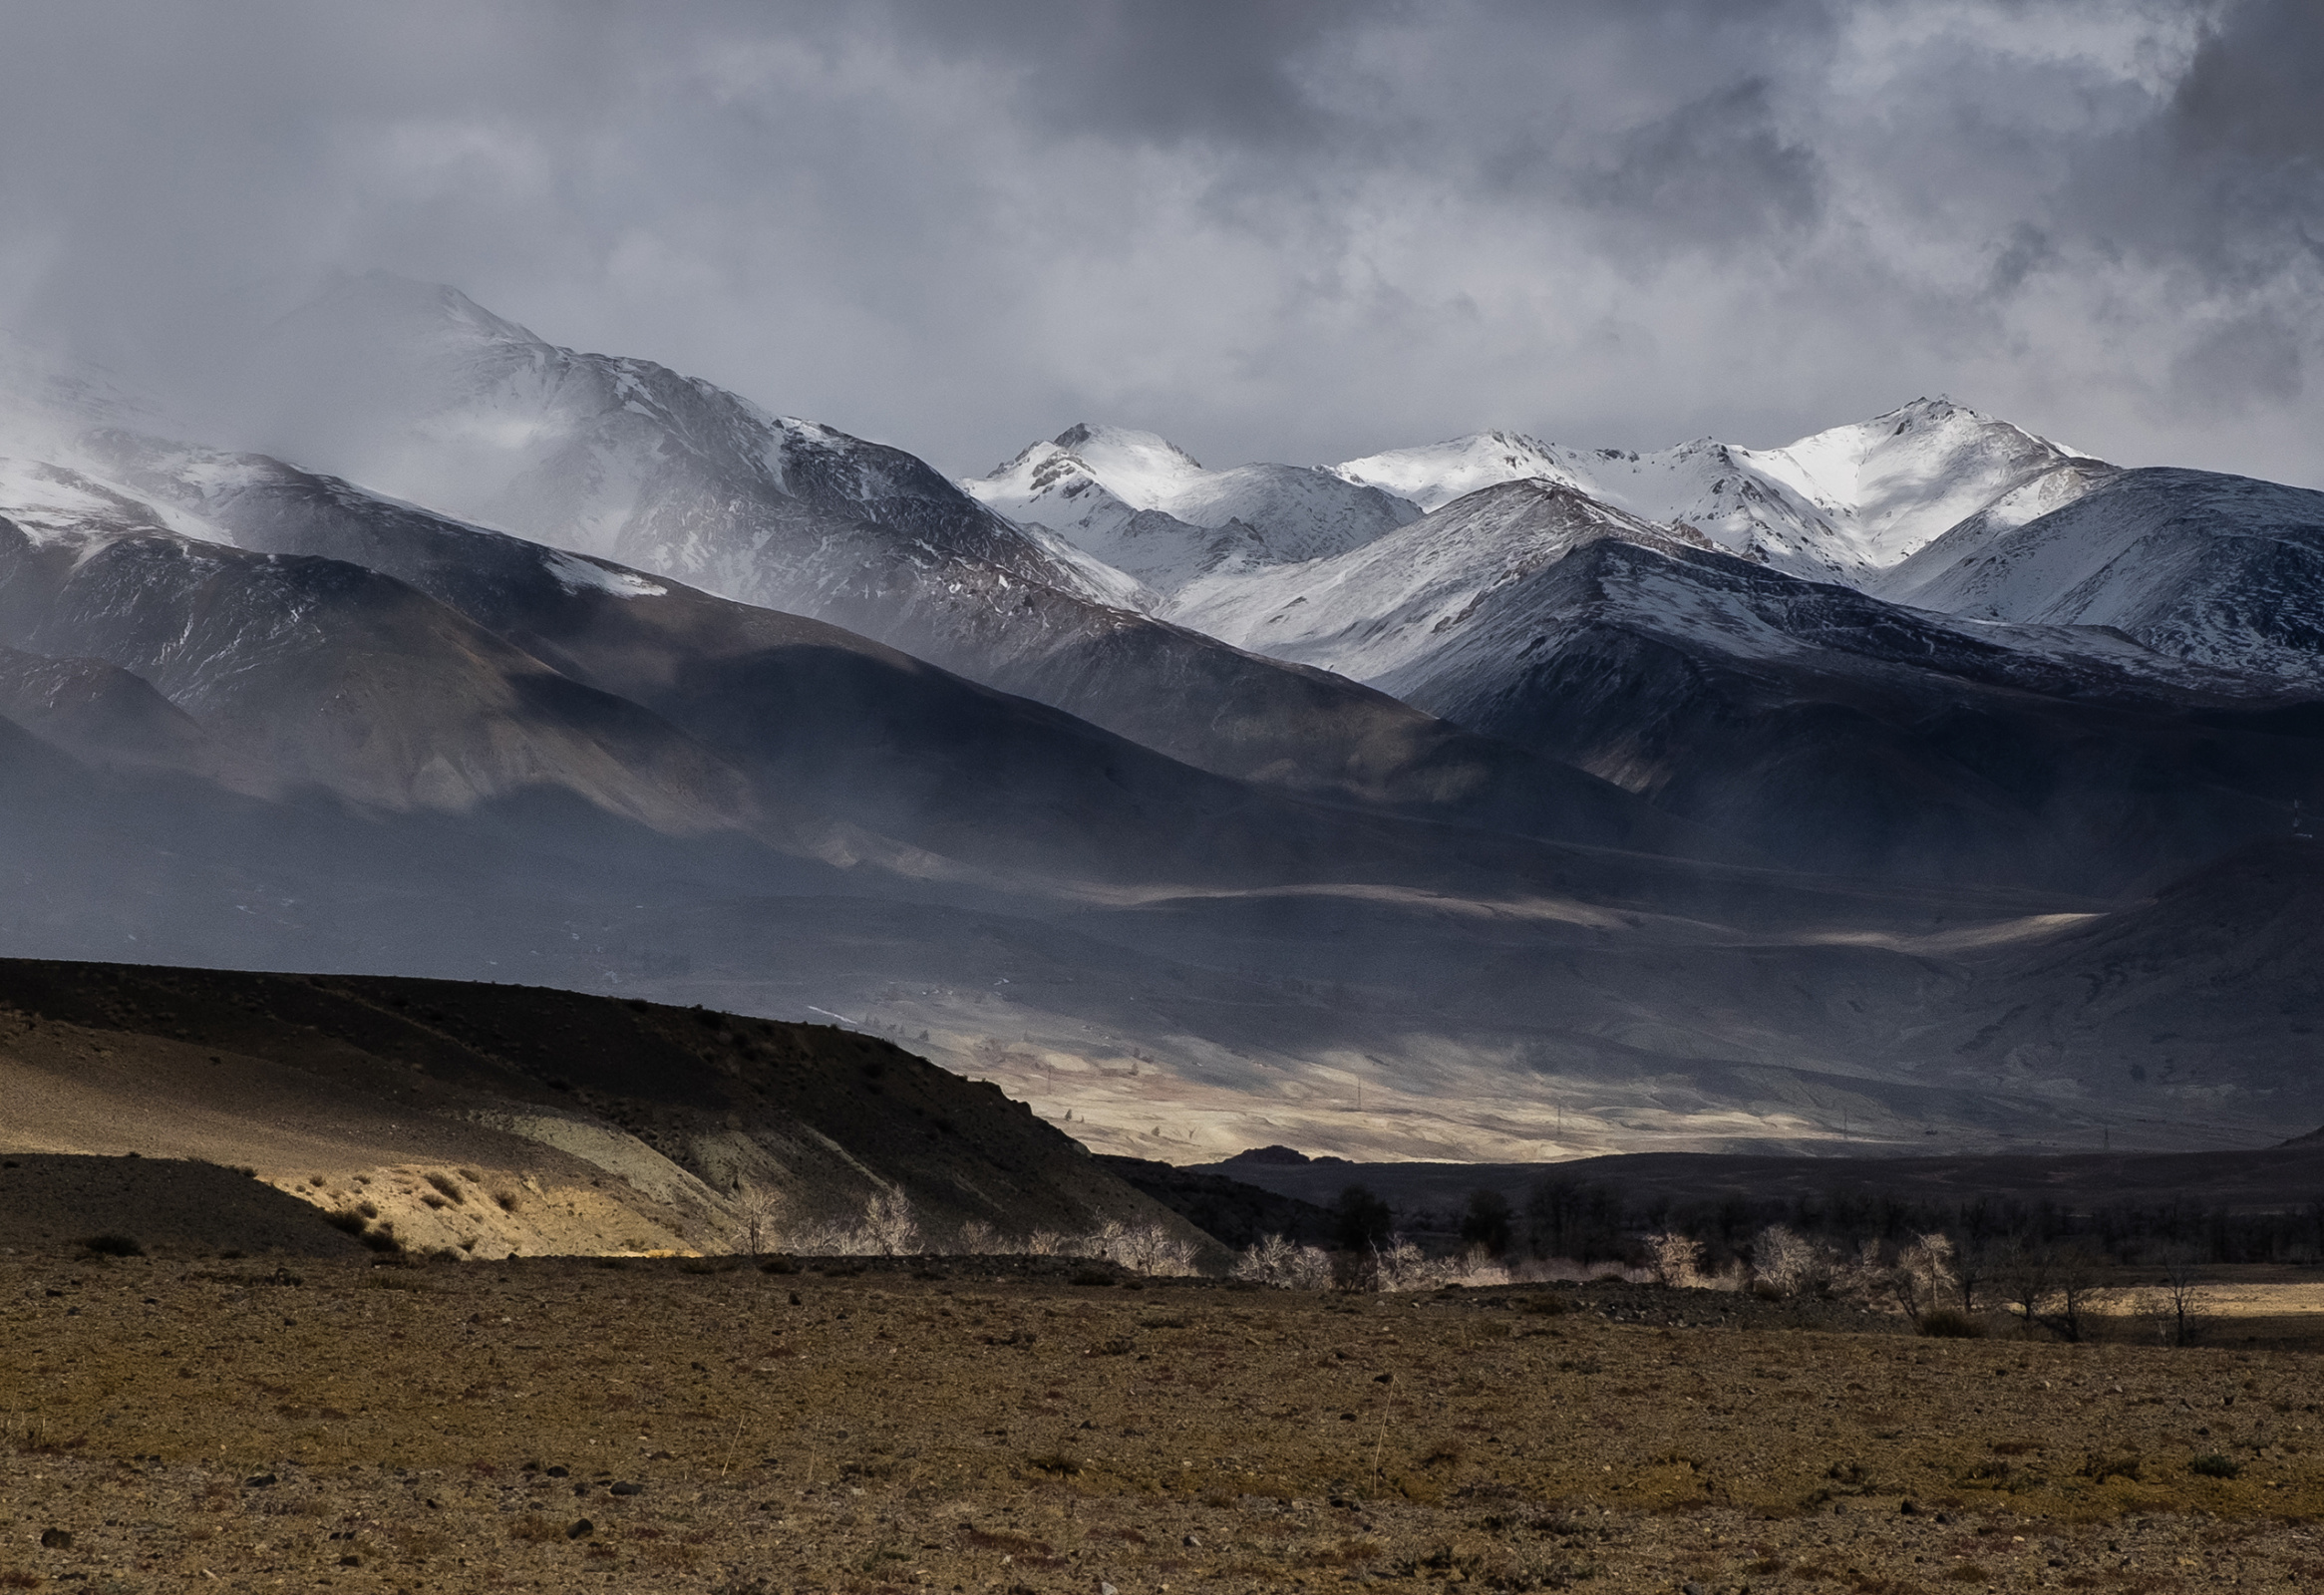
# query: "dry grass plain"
x,y
178,1423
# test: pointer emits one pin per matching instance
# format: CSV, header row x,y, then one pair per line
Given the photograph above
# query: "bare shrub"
x,y
1675,1259
445,1184
1864,1281
886,1228
1401,1266
1950,1323
890,1226
1277,1262
1786,1263
978,1239
1146,1250
1477,1266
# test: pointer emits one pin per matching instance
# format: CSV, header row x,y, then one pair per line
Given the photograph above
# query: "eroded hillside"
x,y
493,1119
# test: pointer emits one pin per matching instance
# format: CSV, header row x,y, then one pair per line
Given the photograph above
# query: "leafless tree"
x,y
756,1212
2074,1281
1973,1269
1923,1276
2021,1271
2185,1298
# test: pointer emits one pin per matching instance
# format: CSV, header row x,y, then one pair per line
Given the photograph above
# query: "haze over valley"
x,y
1920,784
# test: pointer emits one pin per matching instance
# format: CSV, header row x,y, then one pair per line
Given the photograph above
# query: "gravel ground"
x,y
685,1426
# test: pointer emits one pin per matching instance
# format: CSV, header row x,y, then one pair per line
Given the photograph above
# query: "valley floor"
x,y
689,1424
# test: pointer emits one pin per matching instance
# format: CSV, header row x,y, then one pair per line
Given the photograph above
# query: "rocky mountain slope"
x,y
415,391
1829,728
870,728
2222,570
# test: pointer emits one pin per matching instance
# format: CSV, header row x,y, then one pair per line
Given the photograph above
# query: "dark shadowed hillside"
x,y
492,1118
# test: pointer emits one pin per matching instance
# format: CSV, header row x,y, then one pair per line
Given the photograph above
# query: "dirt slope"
x,y
50,1203
500,1119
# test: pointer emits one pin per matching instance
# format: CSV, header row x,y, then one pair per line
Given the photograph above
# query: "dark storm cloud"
x,y
1273,229
2247,125
2251,88
1709,173
1208,70
2225,178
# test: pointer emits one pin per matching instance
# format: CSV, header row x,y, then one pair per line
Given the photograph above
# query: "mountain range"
x,y
1893,783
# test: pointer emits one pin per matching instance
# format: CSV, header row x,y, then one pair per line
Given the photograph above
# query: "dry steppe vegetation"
x,y
169,1422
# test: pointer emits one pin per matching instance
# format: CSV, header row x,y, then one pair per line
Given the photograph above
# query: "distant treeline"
x,y
1589,1222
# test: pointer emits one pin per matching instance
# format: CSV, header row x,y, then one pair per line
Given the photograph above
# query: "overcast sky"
x,y
1268,228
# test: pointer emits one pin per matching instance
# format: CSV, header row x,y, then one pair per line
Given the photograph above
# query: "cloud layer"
x,y
1271,229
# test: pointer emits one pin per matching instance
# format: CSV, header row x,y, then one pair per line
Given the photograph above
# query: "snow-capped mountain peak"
x,y
1840,505
1435,474
1143,468
1137,469
1142,503
1899,482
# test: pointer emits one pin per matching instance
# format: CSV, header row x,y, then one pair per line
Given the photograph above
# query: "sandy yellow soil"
x,y
182,1425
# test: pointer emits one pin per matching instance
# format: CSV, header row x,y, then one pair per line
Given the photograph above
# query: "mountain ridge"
x,y
1844,504
627,460
1633,838
1141,504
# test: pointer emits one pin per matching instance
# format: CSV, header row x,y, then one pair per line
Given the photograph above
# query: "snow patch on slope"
x,y
578,574
1377,609
2224,572
54,503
